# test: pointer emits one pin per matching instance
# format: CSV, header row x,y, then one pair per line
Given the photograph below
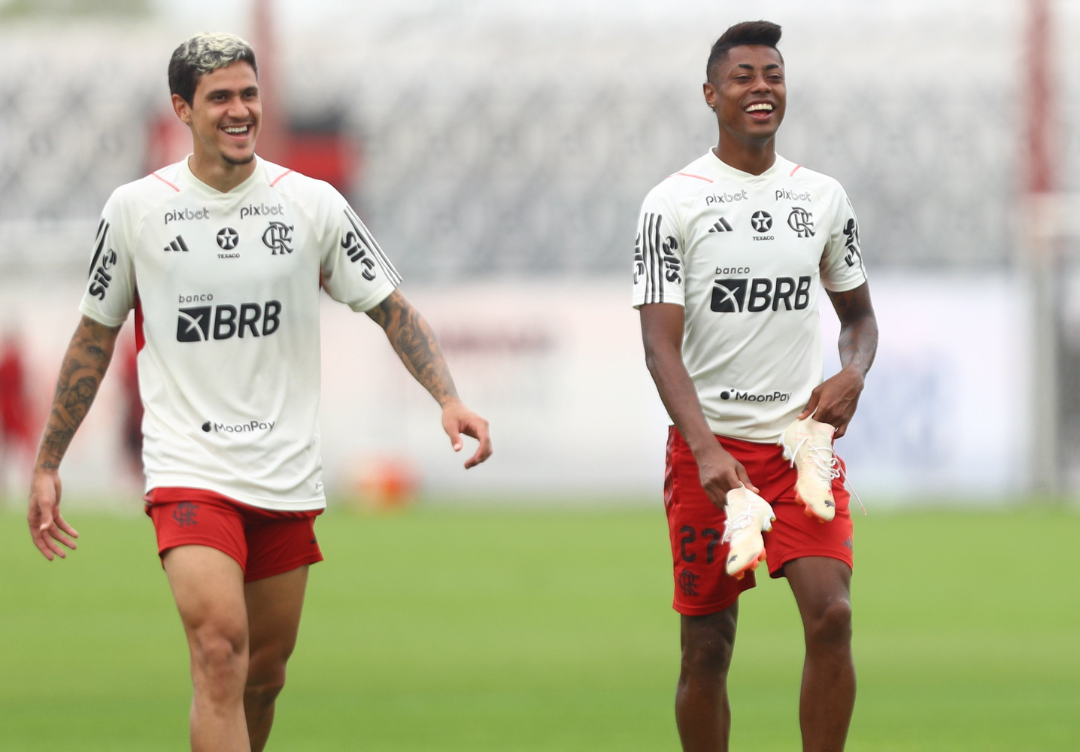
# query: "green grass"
x,y
446,630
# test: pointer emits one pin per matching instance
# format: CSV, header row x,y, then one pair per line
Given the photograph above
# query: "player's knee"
x,y
711,657
219,651
263,690
831,625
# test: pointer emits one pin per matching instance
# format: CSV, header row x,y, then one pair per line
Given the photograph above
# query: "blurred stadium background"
x,y
499,151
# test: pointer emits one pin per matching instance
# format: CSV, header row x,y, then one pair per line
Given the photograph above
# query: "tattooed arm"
x,y
84,367
836,398
415,343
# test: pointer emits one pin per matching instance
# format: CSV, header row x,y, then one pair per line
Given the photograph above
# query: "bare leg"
x,y
702,711
208,587
822,588
273,606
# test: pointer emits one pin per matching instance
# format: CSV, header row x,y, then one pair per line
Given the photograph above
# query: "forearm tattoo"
x,y
416,345
84,367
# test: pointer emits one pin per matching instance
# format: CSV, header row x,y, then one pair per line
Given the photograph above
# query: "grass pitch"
x,y
552,630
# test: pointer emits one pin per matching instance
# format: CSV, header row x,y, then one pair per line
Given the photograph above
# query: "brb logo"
x,y
760,294
223,321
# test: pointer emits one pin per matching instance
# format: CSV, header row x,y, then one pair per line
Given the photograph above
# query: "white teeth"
x,y
760,106
237,129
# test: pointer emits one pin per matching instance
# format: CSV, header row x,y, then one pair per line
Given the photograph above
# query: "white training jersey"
x,y
225,288
744,254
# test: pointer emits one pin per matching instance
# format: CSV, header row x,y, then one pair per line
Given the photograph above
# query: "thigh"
x,y
696,527
822,589
208,586
274,605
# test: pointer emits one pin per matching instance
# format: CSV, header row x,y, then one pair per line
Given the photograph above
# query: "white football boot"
x,y
747,516
808,445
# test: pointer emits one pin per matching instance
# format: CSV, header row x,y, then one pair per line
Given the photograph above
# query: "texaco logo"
x,y
801,221
761,221
227,238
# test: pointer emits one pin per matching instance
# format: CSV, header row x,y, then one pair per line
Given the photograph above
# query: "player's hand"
x,y
47,527
720,472
457,420
835,399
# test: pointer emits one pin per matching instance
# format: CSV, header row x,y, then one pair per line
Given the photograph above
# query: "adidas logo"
x,y
720,226
179,245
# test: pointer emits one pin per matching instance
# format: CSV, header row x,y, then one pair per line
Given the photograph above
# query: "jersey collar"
x,y
731,173
188,177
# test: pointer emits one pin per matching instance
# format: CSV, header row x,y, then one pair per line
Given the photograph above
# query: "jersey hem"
x,y
763,438
639,303
99,317
844,286
276,505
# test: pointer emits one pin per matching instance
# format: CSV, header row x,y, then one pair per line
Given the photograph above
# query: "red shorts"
x,y
263,542
696,525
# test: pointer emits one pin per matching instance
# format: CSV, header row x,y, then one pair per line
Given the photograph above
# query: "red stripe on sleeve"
x,y
166,182
140,338
795,170
279,177
691,175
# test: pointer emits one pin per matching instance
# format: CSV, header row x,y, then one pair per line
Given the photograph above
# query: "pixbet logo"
x,y
223,321
249,427
792,196
179,215
261,210
760,294
726,198
736,394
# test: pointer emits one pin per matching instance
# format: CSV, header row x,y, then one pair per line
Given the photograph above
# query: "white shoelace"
x,y
741,521
826,464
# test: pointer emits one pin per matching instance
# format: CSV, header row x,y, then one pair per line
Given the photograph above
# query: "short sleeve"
x,y
110,288
658,252
355,271
842,263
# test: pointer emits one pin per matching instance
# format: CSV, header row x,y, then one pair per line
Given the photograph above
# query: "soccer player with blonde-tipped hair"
x,y
730,254
223,257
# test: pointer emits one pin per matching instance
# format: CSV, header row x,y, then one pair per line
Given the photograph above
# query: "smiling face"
x,y
224,115
748,94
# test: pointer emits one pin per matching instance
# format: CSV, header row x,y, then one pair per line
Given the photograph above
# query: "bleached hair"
x,y
205,53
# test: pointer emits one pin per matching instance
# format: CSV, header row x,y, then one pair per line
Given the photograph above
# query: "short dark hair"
x,y
205,53
748,32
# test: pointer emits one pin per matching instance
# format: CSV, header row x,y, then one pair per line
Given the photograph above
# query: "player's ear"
x,y
182,109
710,94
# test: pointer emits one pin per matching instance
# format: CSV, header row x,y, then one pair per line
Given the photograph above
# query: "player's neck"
x,y
217,173
752,157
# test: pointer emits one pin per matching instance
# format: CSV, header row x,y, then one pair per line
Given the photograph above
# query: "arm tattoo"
x,y
416,345
858,327
84,367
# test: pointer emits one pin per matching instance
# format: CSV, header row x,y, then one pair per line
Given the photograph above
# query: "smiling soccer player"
x,y
730,254
223,256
